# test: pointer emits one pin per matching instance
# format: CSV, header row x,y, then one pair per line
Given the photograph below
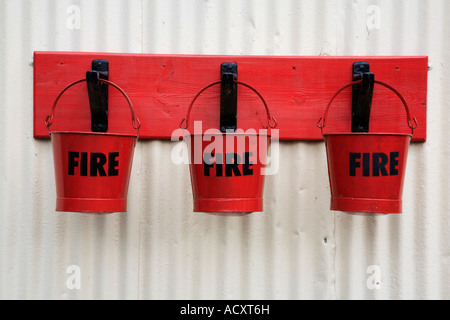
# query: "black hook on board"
x,y
228,96
98,95
362,96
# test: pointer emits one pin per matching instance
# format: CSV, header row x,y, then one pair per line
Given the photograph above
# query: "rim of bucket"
x,y
368,134
94,133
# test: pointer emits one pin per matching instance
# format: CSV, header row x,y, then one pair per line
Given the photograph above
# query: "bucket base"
x,y
91,205
225,205
366,205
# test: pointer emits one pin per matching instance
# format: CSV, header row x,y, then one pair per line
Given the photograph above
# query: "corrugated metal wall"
x,y
297,248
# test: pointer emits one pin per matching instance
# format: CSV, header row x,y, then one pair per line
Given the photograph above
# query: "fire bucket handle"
x,y
271,121
321,123
135,121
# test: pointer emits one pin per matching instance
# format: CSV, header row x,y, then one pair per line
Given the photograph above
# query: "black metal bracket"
x,y
98,95
228,96
362,96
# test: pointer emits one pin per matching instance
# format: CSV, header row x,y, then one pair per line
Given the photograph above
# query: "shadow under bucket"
x,y
366,170
92,169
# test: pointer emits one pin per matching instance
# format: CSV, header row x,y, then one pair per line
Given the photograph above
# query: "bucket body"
x,y
226,171
92,171
366,171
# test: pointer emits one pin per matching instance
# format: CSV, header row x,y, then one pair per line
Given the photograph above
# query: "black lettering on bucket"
x,y
207,164
98,160
72,162
379,164
246,171
366,164
84,164
232,160
353,163
233,164
393,170
113,163
93,163
380,161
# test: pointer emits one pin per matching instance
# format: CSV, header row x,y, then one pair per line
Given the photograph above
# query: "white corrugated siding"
x,y
297,248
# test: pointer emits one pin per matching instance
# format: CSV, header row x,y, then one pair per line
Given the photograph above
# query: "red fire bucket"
x,y
226,168
366,170
92,169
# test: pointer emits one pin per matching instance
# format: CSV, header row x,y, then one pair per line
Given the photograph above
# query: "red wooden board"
x,y
161,87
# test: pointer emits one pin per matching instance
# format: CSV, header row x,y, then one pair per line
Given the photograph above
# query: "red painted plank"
x,y
161,87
